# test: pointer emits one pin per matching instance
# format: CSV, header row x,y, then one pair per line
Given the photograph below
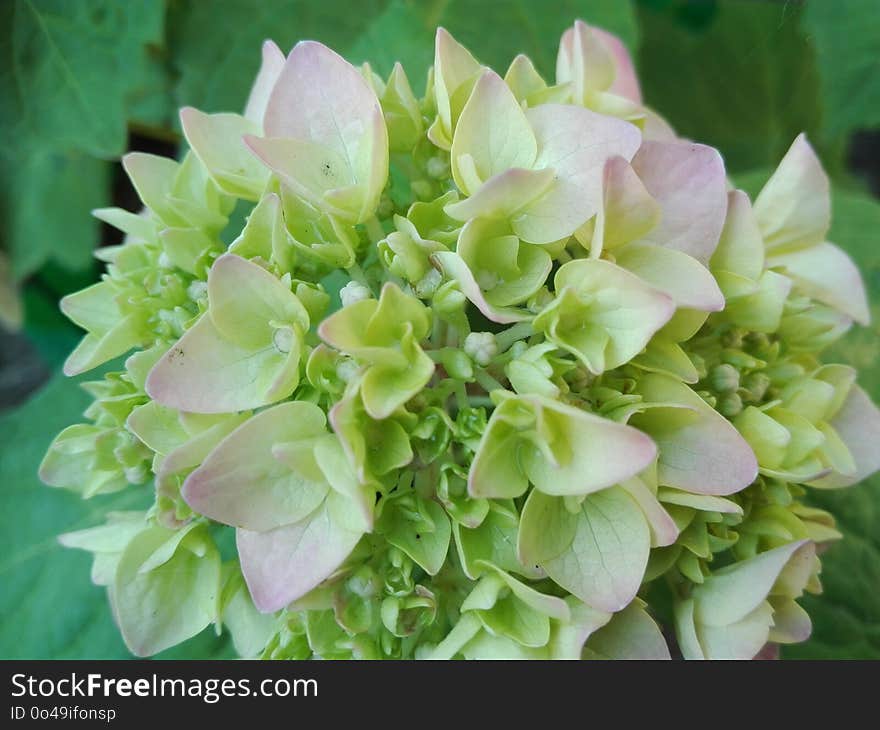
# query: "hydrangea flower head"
x,y
480,374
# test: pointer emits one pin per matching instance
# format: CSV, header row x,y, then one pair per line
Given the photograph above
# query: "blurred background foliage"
x,y
83,81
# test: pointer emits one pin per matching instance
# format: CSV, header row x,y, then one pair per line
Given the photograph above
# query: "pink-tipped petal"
x,y
576,143
284,564
626,83
321,97
584,61
205,373
270,70
244,484
700,450
630,211
689,183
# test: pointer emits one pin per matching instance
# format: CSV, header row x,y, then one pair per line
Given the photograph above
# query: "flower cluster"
x,y
508,370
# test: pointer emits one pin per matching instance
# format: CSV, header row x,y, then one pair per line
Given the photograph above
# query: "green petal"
x,y
217,141
426,541
673,272
493,132
604,315
546,528
741,249
731,594
158,607
455,73
384,389
606,561
245,300
826,273
794,208
631,634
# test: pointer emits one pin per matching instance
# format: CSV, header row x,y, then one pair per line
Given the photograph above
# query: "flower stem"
x,y
486,381
519,331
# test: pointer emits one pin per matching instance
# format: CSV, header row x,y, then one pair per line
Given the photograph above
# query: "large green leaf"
x,y
846,35
70,69
404,32
70,74
215,46
46,209
745,83
50,608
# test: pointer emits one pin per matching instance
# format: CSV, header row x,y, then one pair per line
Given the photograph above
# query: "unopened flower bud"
x,y
729,405
422,189
428,284
481,347
346,370
756,384
724,378
283,339
437,168
353,292
197,290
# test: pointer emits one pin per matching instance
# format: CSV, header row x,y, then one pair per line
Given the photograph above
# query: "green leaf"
x,y
46,198
747,83
70,73
38,574
11,314
846,35
215,47
70,69
518,28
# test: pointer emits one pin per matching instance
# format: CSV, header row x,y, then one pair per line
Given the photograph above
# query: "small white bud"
x,y
283,338
480,347
197,290
353,292
428,284
437,168
346,370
